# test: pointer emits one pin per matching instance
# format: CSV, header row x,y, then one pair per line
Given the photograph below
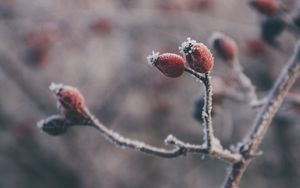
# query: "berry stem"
x,y
207,108
248,89
194,73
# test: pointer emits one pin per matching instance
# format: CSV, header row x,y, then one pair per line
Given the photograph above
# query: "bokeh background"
x,y
100,47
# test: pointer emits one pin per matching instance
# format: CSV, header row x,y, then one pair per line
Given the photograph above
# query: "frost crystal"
x,y
186,46
216,143
40,124
152,58
169,139
55,88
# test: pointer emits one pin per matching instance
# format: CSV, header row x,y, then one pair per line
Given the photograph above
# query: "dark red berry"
x,y
224,46
265,7
171,65
197,55
71,102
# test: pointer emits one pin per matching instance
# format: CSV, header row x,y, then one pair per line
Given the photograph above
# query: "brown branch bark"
x,y
264,118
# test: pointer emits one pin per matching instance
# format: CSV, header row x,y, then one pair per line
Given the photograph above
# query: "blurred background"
x,y
100,47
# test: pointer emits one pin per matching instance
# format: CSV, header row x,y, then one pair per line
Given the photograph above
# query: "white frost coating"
x,y
152,58
186,46
169,139
40,124
216,143
215,36
55,88
204,114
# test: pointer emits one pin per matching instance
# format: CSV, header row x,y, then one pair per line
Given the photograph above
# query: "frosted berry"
x,y
197,55
171,65
265,7
54,125
224,46
71,103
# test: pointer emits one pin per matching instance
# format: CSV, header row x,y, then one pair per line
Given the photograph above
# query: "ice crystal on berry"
x,y
186,46
152,58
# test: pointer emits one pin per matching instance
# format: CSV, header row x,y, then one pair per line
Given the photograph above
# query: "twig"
x,y
261,124
57,124
207,107
245,83
181,147
194,73
217,152
206,115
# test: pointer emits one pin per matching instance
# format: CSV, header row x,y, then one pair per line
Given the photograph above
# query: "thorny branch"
x,y
181,148
263,120
240,159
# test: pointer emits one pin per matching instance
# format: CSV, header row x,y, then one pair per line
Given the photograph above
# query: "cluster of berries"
x,y
196,55
274,19
71,106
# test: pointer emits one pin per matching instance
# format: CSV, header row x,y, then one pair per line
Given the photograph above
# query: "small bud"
x,y
197,55
171,65
265,7
54,125
271,28
70,101
224,46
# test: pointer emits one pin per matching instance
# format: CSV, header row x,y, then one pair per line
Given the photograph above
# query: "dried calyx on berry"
x,y
197,55
224,46
54,125
171,65
265,7
271,28
71,103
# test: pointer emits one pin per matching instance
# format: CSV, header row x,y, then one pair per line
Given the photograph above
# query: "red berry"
x,y
197,55
265,7
224,46
70,101
171,65
256,47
